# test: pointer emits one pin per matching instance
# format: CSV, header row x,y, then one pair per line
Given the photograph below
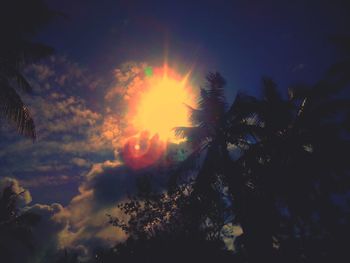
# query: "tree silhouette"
x,y
295,160
20,20
164,227
290,164
280,188
207,137
14,223
185,222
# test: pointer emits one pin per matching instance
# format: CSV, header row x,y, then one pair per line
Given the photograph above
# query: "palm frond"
x,y
243,106
216,83
215,90
13,73
14,110
186,165
30,52
196,116
204,96
194,135
212,104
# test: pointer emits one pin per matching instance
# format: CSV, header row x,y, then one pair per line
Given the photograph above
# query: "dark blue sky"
x,y
244,40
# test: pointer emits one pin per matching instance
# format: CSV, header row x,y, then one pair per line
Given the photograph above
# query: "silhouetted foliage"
x,y
20,21
282,187
165,227
208,136
15,224
293,165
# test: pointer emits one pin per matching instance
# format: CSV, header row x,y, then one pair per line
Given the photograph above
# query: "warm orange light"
x,y
162,105
157,104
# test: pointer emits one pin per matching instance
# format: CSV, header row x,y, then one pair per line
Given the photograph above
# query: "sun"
x,y
163,105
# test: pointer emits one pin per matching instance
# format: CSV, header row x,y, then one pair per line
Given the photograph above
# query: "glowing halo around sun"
x,y
163,104
160,106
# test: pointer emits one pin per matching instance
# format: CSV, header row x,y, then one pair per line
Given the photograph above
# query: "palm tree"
x,y
20,21
208,118
214,129
207,136
285,145
294,155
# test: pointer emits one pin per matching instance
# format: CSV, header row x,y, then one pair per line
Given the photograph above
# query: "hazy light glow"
x,y
162,104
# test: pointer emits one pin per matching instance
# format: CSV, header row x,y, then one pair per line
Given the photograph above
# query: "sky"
x,y
243,40
75,173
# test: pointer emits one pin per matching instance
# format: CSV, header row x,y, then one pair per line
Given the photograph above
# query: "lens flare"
x,y
159,105
142,151
163,104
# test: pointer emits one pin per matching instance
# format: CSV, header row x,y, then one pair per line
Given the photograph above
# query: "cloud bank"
x,y
81,145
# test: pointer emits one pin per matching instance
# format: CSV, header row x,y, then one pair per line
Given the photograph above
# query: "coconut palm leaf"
x,y
194,135
207,118
14,110
20,21
13,73
18,52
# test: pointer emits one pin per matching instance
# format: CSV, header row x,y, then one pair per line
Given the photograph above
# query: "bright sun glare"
x,y
162,106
